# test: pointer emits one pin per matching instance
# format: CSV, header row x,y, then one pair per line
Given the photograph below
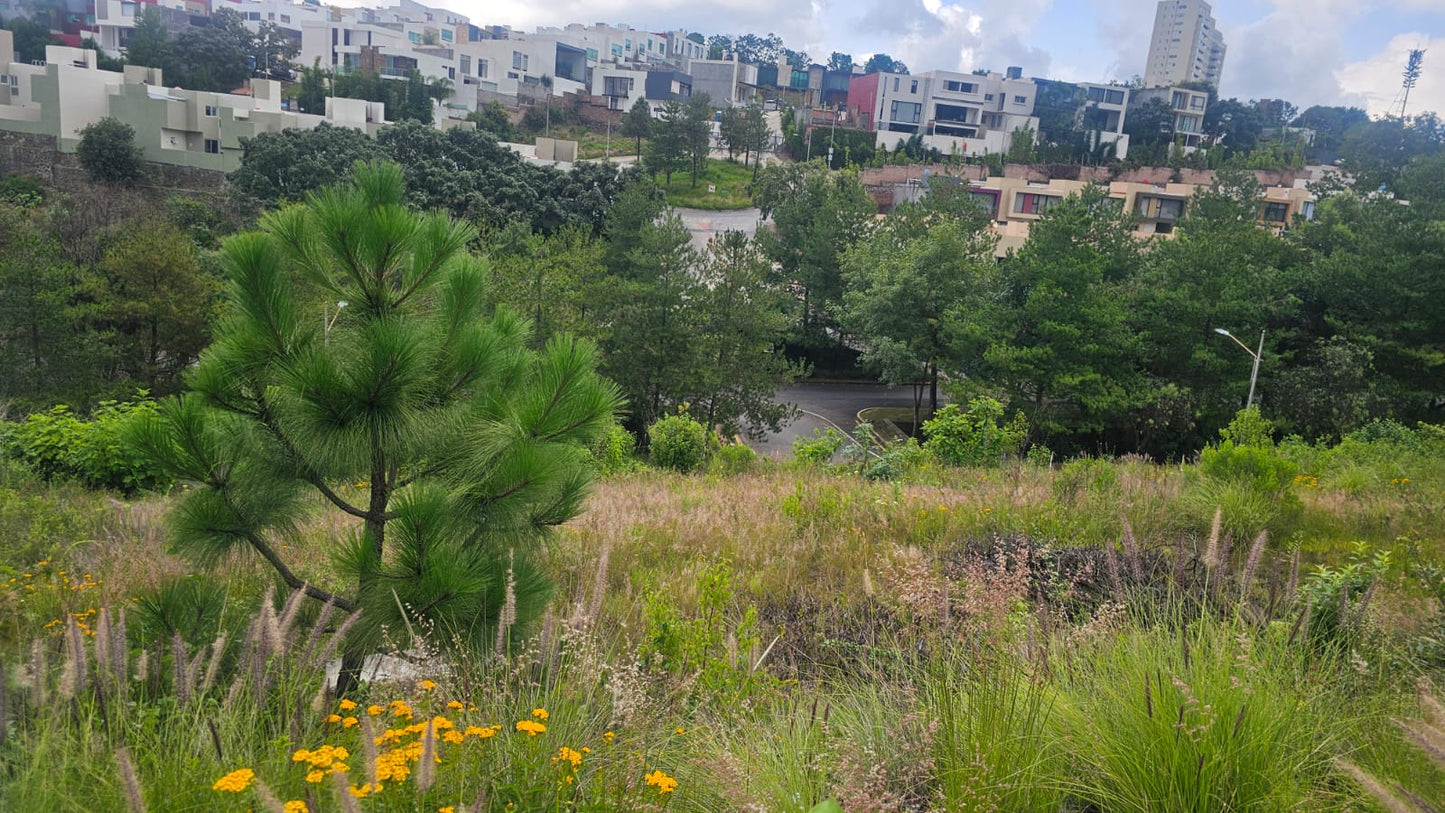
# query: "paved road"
x,y
704,223
838,403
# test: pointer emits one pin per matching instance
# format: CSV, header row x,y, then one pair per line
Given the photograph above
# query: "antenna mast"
x,y
1412,75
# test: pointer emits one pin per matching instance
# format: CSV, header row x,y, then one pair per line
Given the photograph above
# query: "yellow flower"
x,y
296,806
333,718
567,755
301,755
453,737
607,736
374,710
532,729
315,776
363,790
681,730
664,783
480,733
586,750
540,714
455,704
447,809
441,723
346,705
235,781
427,685
349,722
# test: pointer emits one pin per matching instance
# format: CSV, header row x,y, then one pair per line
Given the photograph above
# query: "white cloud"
x,y
1376,80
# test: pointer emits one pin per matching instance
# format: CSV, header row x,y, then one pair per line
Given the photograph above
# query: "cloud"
x,y
1376,79
933,34
1289,53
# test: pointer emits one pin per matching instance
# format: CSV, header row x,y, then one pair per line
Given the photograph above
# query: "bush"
x,y
57,445
975,437
678,442
109,153
733,458
613,451
818,449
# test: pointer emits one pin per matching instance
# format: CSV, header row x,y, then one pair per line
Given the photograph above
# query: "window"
x,y
1196,103
466,61
482,68
907,112
447,35
451,73
895,84
960,87
1275,212
913,86
1031,204
1021,100
411,35
271,16
988,97
213,146
212,111
285,18
1152,208
517,59
616,50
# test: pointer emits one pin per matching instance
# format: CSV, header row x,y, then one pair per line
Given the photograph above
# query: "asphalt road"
x,y
838,403
703,223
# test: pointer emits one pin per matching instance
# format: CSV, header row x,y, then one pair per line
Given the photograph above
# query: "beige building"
x,y
1186,45
172,126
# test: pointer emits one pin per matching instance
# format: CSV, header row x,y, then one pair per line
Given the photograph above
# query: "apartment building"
x,y
186,128
1188,107
1086,112
727,82
1186,45
956,113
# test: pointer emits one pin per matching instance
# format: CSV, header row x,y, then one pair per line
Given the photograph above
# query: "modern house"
x,y
1188,107
957,113
1084,112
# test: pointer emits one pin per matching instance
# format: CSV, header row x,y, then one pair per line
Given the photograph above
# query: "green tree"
x,y
30,38
493,119
467,445
550,279
637,124
310,89
150,42
1057,341
109,153
273,51
741,324
817,214
156,305
667,152
840,61
215,57
286,166
697,132
883,63
908,283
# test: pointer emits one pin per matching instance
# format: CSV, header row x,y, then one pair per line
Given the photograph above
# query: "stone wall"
x,y
40,157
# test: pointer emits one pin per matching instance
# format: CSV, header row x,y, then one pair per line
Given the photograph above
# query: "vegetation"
x,y
219,56
109,153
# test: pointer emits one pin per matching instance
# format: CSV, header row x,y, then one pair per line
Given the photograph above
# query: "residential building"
x,y
727,82
1188,106
1084,113
1186,45
957,113
173,126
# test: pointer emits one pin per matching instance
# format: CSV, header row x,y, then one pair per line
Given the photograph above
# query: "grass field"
x,y
721,185
1104,635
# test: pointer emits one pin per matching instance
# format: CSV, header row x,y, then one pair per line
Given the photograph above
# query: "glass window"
x,y
1275,212
482,68
895,84
213,146
212,111
913,86
516,59
1032,204
447,35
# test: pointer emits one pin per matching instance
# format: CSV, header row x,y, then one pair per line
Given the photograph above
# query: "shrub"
x,y
678,442
975,437
1249,428
109,153
613,451
733,458
818,449
1337,596
57,445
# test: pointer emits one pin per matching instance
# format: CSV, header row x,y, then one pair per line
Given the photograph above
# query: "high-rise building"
x,y
1187,47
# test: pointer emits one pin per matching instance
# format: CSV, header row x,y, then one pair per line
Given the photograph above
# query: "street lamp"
x,y
1254,374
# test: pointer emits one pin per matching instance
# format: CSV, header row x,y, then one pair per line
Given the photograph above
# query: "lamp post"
x,y
1253,374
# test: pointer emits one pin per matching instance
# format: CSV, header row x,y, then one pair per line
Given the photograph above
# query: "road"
x,y
704,223
838,403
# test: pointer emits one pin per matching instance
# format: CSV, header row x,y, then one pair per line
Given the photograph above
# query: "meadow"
x,y
1084,635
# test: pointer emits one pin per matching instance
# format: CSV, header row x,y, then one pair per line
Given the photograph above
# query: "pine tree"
x,y
448,445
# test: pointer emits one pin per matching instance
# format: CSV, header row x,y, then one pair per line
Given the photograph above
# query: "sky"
x,y
1348,52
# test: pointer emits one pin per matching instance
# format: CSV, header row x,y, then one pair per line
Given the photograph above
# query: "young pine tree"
x,y
443,443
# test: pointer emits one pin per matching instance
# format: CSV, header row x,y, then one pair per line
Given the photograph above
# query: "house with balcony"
x,y
956,113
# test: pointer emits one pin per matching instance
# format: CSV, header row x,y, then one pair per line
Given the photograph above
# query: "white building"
x,y
1188,107
1186,46
956,113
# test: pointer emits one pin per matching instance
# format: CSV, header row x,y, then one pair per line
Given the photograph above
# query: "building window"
x,y
913,86
482,68
1196,103
466,61
988,97
411,35
516,59
616,50
447,35
1021,100
1030,204
212,111
895,84
285,18
960,87
1275,212
1307,211
906,112
213,146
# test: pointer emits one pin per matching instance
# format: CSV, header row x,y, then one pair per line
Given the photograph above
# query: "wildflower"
x,y
532,729
427,685
363,790
348,722
447,809
607,736
346,705
235,781
681,730
567,755
586,750
315,776
374,710
479,733
296,806
540,714
441,723
664,783
333,718
455,704
453,737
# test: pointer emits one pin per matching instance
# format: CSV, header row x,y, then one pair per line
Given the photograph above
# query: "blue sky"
x,y
1307,51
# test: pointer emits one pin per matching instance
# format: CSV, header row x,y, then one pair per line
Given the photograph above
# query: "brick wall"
x,y
39,157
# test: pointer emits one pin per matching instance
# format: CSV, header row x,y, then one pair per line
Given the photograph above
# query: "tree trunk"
x,y
933,389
